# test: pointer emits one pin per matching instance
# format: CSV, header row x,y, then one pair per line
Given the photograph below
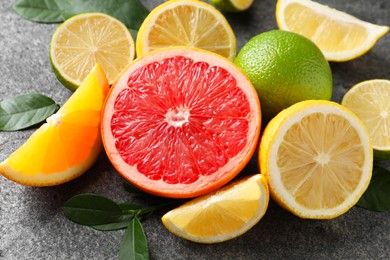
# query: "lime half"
x,y
86,39
370,101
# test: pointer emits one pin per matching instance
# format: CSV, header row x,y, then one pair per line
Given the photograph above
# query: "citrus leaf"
x,y
25,110
131,12
123,223
128,213
377,195
41,10
92,210
134,244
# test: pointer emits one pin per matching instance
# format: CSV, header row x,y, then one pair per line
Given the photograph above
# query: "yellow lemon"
x,y
317,158
340,36
221,215
186,23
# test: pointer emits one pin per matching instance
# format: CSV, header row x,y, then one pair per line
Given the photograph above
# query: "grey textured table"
x,y
32,225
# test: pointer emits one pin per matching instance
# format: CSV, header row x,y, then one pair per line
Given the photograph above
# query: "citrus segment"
x,y
222,215
317,158
86,39
186,23
370,101
181,122
67,144
340,36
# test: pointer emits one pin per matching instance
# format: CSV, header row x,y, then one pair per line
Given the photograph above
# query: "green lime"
x,y
285,68
369,100
86,39
232,5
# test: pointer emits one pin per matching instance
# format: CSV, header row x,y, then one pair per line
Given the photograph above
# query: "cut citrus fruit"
x,y
181,122
67,144
317,158
222,215
232,5
340,36
86,39
186,23
370,101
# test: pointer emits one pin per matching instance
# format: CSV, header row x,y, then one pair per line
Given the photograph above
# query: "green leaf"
x,y
92,210
123,223
134,245
128,211
377,195
131,12
41,10
24,111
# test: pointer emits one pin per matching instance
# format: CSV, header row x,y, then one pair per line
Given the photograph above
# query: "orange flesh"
x,y
178,120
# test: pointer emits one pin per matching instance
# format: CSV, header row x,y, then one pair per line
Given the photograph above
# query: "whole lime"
x,y
285,68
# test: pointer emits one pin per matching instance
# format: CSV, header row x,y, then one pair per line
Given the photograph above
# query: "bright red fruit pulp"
x,y
179,119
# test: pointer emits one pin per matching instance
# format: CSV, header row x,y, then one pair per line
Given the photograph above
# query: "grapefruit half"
x,y
181,122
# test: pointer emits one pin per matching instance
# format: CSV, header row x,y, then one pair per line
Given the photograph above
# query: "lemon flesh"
x,y
340,36
186,23
221,215
317,157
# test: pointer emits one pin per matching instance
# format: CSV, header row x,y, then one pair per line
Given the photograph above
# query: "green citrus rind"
x,y
232,5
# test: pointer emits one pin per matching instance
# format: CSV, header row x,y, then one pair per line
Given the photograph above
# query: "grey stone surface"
x,y
32,225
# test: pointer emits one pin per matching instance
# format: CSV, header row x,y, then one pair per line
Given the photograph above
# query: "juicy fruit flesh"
x,y
319,165
348,36
66,145
178,120
44,159
92,40
222,213
371,104
186,25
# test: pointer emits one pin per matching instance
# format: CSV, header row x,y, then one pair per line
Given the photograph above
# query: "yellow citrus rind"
x,y
222,215
186,23
340,36
317,158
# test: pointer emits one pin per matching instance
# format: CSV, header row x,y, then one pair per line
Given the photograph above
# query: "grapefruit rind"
x,y
205,184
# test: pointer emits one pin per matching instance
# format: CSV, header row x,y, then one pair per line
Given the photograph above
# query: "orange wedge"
x,y
67,144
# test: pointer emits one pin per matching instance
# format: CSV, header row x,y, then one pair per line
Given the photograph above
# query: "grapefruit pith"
x,y
181,122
